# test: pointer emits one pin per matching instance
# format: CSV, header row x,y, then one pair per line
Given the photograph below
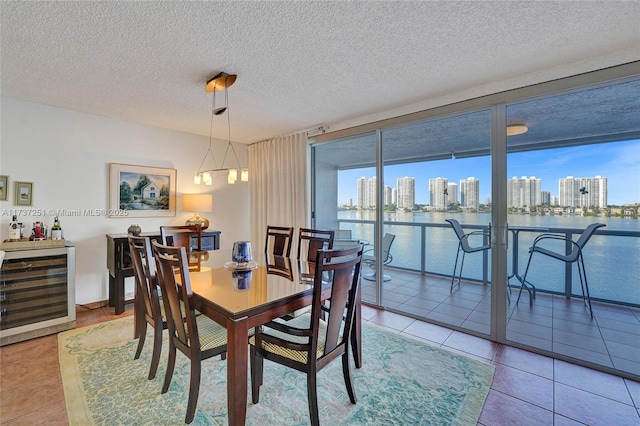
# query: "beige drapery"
x,y
278,186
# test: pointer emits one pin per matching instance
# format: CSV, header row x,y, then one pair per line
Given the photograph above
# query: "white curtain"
x,y
278,185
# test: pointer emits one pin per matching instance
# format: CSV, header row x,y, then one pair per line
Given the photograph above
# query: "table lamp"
x,y
197,203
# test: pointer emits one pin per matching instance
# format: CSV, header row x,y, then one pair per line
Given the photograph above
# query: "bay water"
x,y
612,262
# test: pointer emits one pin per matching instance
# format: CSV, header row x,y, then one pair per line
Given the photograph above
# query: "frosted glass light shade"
x,y
206,178
244,175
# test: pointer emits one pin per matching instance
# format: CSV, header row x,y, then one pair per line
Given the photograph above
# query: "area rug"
x,y
402,382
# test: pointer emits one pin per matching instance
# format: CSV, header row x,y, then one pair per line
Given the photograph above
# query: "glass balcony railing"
x,y
612,257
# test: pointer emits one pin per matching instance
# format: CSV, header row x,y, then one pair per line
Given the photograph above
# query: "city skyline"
x,y
619,162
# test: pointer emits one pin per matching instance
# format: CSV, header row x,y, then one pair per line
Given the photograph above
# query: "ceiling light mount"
x,y
220,81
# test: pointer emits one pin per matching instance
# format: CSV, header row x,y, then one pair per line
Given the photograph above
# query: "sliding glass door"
x,y
394,189
434,170
576,164
346,197
508,168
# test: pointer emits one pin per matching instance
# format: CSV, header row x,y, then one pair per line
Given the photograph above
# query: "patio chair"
x,y
370,259
574,255
465,247
308,343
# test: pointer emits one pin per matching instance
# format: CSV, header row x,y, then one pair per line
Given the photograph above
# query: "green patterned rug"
x,y
402,382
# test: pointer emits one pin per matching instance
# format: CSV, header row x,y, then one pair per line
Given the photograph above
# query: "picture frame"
x,y
4,188
141,191
23,194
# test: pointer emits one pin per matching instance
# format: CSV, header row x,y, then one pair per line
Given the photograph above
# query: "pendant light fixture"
x,y
221,81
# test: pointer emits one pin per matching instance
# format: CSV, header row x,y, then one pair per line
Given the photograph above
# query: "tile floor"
x,y
528,389
552,323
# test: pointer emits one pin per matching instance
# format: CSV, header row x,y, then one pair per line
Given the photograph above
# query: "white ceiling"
x,y
300,65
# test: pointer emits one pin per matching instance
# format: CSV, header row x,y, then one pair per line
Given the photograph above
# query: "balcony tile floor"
x,y
528,389
552,323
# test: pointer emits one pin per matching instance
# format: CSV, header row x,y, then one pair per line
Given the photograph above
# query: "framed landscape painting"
x,y
141,191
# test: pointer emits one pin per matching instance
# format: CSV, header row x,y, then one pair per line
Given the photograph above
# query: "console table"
x,y
120,267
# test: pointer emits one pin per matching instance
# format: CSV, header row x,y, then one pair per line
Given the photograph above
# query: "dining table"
x,y
241,298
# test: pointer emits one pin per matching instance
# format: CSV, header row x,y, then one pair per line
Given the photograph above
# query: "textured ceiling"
x,y
299,64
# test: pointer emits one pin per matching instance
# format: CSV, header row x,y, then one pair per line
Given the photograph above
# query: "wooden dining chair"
x,y
149,309
278,240
312,240
189,236
308,343
197,337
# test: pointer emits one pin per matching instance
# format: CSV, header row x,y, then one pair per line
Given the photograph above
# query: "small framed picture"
x,y
23,194
4,188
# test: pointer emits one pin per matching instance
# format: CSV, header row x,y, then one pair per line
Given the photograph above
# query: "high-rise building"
x,y
583,192
438,193
394,196
452,189
406,193
524,192
546,198
388,195
470,193
366,188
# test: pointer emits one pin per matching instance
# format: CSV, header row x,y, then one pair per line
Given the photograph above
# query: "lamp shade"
x,y
199,203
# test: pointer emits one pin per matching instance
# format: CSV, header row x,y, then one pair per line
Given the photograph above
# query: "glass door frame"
x,y
499,230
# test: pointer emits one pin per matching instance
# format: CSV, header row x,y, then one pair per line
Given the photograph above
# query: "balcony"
x,y
556,324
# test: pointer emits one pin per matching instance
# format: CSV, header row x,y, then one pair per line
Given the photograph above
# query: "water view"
x,y
612,262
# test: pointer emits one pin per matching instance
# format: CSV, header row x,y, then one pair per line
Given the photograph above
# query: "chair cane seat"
x,y
211,333
301,321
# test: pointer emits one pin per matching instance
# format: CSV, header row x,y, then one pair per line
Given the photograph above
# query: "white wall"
x,y
66,154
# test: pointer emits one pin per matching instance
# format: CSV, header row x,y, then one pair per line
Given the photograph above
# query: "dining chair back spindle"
x,y
196,336
149,309
308,343
278,240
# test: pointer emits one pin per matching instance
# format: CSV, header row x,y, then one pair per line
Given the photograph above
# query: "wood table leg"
x,y
237,358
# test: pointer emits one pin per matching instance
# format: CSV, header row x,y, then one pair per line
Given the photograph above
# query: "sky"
x,y
619,162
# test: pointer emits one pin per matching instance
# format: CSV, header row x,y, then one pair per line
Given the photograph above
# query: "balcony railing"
x,y
611,257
